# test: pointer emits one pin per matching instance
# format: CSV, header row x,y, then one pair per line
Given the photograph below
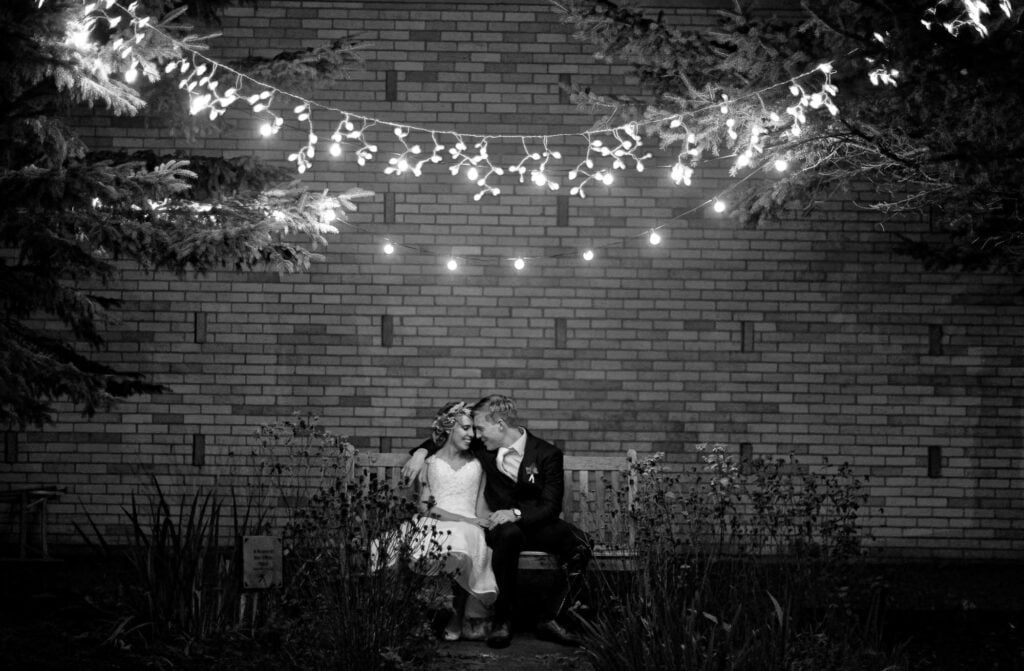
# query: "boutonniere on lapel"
x,y
531,473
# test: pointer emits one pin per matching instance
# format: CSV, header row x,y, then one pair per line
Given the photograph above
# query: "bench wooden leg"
x,y
42,529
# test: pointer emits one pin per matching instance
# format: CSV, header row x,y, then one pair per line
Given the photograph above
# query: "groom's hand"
x,y
502,517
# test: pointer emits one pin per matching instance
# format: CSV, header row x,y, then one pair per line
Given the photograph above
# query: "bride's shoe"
x,y
453,630
476,628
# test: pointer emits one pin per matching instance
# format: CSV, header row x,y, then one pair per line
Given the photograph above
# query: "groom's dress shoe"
x,y
552,631
500,636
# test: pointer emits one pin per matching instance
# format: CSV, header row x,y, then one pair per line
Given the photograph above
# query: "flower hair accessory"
x,y
444,422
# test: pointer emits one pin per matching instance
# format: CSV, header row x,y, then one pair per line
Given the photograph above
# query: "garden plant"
x,y
181,601
753,565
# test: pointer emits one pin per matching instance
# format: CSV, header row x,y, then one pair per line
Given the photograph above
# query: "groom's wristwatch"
x,y
518,513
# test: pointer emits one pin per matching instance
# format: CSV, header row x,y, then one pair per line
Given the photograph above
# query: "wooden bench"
x,y
598,496
24,502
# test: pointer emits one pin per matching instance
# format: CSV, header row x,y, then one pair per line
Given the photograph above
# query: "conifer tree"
x,y
71,216
919,119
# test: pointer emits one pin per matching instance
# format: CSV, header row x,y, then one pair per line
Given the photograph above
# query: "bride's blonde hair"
x,y
445,420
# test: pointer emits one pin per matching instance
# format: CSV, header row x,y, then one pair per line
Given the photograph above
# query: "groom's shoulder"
x,y
542,445
427,445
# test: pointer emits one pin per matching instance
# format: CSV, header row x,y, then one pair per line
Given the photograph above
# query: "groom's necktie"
x,y
508,462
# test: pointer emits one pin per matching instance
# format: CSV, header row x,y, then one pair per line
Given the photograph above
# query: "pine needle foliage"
x,y
928,128
73,217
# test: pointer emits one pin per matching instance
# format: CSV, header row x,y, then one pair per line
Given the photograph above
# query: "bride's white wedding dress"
x,y
456,548
433,547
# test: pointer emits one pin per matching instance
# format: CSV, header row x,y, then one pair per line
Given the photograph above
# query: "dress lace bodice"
x,y
455,490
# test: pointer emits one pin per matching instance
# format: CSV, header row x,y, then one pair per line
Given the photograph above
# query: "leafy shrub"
x,y
177,579
181,592
290,461
346,609
739,566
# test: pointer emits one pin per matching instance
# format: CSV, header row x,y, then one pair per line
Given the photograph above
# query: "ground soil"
x,y
526,653
55,633
53,624
53,618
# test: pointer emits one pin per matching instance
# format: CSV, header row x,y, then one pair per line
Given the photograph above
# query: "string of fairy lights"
x,y
607,151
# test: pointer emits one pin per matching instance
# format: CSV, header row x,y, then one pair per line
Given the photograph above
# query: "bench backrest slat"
x,y
574,462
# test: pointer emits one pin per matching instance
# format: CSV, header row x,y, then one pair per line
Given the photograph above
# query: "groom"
x,y
524,489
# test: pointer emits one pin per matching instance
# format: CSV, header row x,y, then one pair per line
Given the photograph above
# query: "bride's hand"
x,y
411,468
502,517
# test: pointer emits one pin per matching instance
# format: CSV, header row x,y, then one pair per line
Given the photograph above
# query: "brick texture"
x,y
807,337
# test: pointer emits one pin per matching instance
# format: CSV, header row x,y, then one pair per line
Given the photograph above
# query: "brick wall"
x,y
807,337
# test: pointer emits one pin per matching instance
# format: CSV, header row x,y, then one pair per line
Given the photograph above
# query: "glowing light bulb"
x,y
655,239
199,103
328,215
389,248
519,264
781,164
266,130
130,75
607,178
335,150
588,255
78,36
539,178
718,206
472,174
453,264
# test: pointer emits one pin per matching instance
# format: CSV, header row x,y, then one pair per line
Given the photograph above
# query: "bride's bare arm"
x,y
482,510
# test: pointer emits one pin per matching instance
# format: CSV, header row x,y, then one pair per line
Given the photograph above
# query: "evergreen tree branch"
x,y
945,142
73,218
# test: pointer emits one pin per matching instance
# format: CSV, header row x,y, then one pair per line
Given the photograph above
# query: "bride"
x,y
453,514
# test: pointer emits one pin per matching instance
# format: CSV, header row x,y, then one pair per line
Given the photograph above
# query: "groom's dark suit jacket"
x,y
538,489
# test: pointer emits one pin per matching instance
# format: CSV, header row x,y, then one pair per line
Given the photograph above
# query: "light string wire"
x,y
476,260
198,71
310,103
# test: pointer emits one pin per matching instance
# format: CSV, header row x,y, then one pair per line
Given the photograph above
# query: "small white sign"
x,y
262,562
